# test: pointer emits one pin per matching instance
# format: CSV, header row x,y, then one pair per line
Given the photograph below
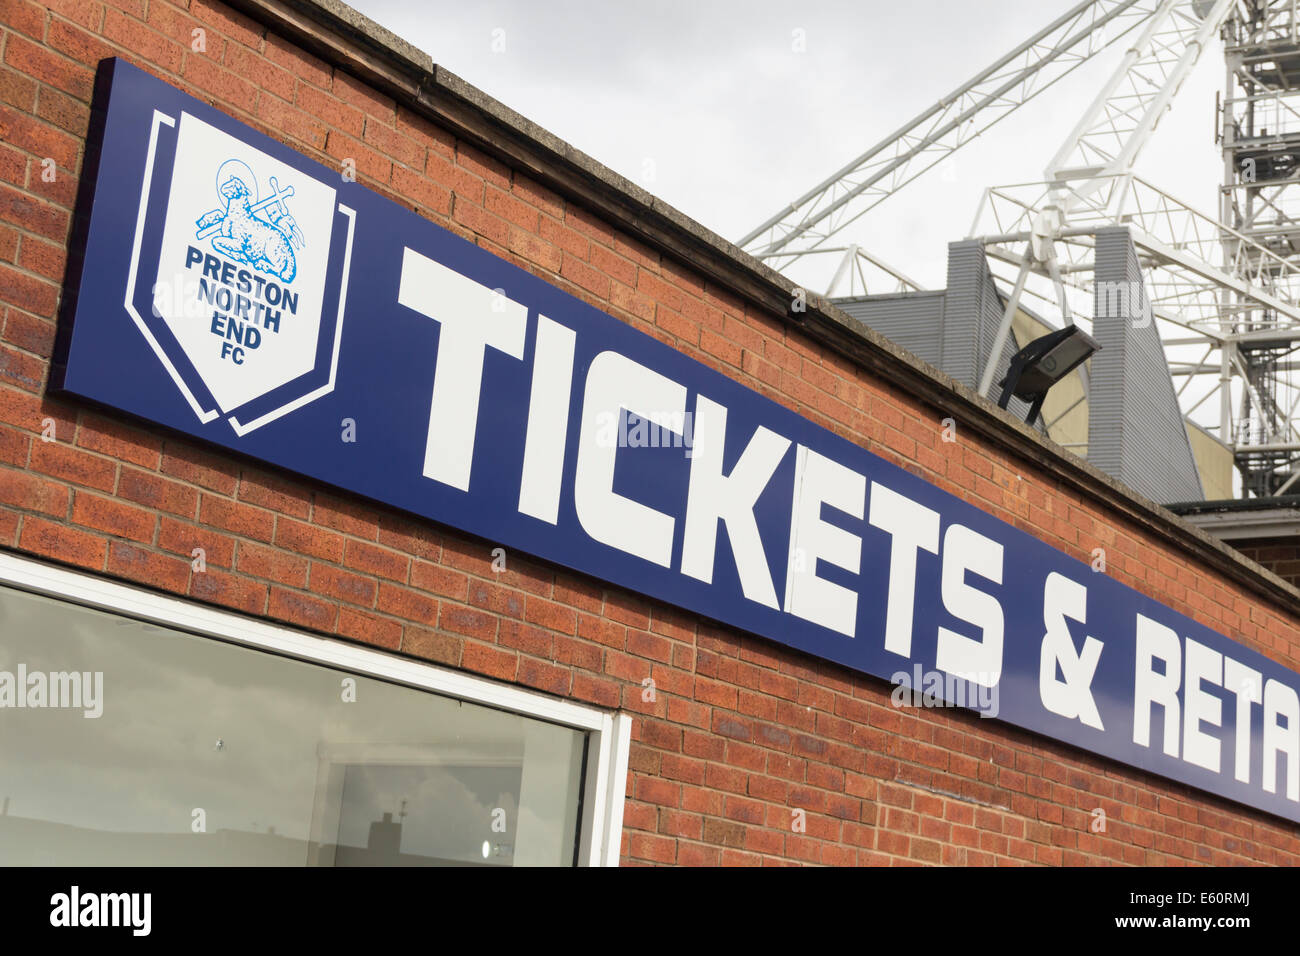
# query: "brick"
x,y
484,594
135,563
410,536
178,26
13,169
73,465
244,62
342,585
609,633
304,66
422,190
567,650
406,603
663,793
614,265
308,539
65,75
585,276
304,610
31,492
369,162
62,111
20,369
279,495
27,292
25,16
394,144
637,304
550,614
644,644
162,53
508,207
348,517
463,620
27,412
74,42
360,95
15,447
46,260
579,594
86,13
525,638
423,131
330,110
260,561
372,559
199,468
482,165
677,326
460,181
116,440
443,581
568,239
369,628
297,124
431,645
544,676
595,690
238,27
654,849
62,543
182,538
584,222
237,518
537,196
480,221
489,661
8,234
535,250
114,517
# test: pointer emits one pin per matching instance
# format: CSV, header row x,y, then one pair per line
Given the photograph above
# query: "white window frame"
x,y
601,827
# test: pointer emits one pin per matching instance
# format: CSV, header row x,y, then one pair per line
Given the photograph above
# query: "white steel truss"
x,y
1226,284
965,113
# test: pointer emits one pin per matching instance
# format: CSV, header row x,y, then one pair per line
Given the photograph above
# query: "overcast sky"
x,y
707,104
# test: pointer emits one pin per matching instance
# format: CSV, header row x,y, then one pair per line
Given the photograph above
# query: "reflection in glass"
x,y
208,753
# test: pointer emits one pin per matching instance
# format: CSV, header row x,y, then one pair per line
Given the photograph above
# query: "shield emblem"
x,y
250,280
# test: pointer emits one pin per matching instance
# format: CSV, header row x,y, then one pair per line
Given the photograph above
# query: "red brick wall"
x,y
741,731
1277,554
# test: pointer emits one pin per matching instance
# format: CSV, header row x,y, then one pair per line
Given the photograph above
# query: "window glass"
x,y
124,742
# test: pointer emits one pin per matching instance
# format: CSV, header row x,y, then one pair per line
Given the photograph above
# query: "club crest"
x,y
250,283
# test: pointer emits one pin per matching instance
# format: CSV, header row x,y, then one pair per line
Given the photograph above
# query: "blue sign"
x,y
235,291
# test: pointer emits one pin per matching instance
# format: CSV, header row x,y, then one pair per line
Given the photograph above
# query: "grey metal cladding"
x,y
973,311
952,330
911,320
1135,428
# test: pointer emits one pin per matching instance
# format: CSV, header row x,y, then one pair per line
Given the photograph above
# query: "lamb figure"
x,y
243,235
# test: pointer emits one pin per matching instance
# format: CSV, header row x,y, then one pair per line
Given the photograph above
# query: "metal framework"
x,y
1224,289
1260,199
964,114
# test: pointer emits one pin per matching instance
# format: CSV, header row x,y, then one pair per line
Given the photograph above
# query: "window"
x,y
138,729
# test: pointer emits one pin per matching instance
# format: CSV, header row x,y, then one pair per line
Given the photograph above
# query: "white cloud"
x,y
738,125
